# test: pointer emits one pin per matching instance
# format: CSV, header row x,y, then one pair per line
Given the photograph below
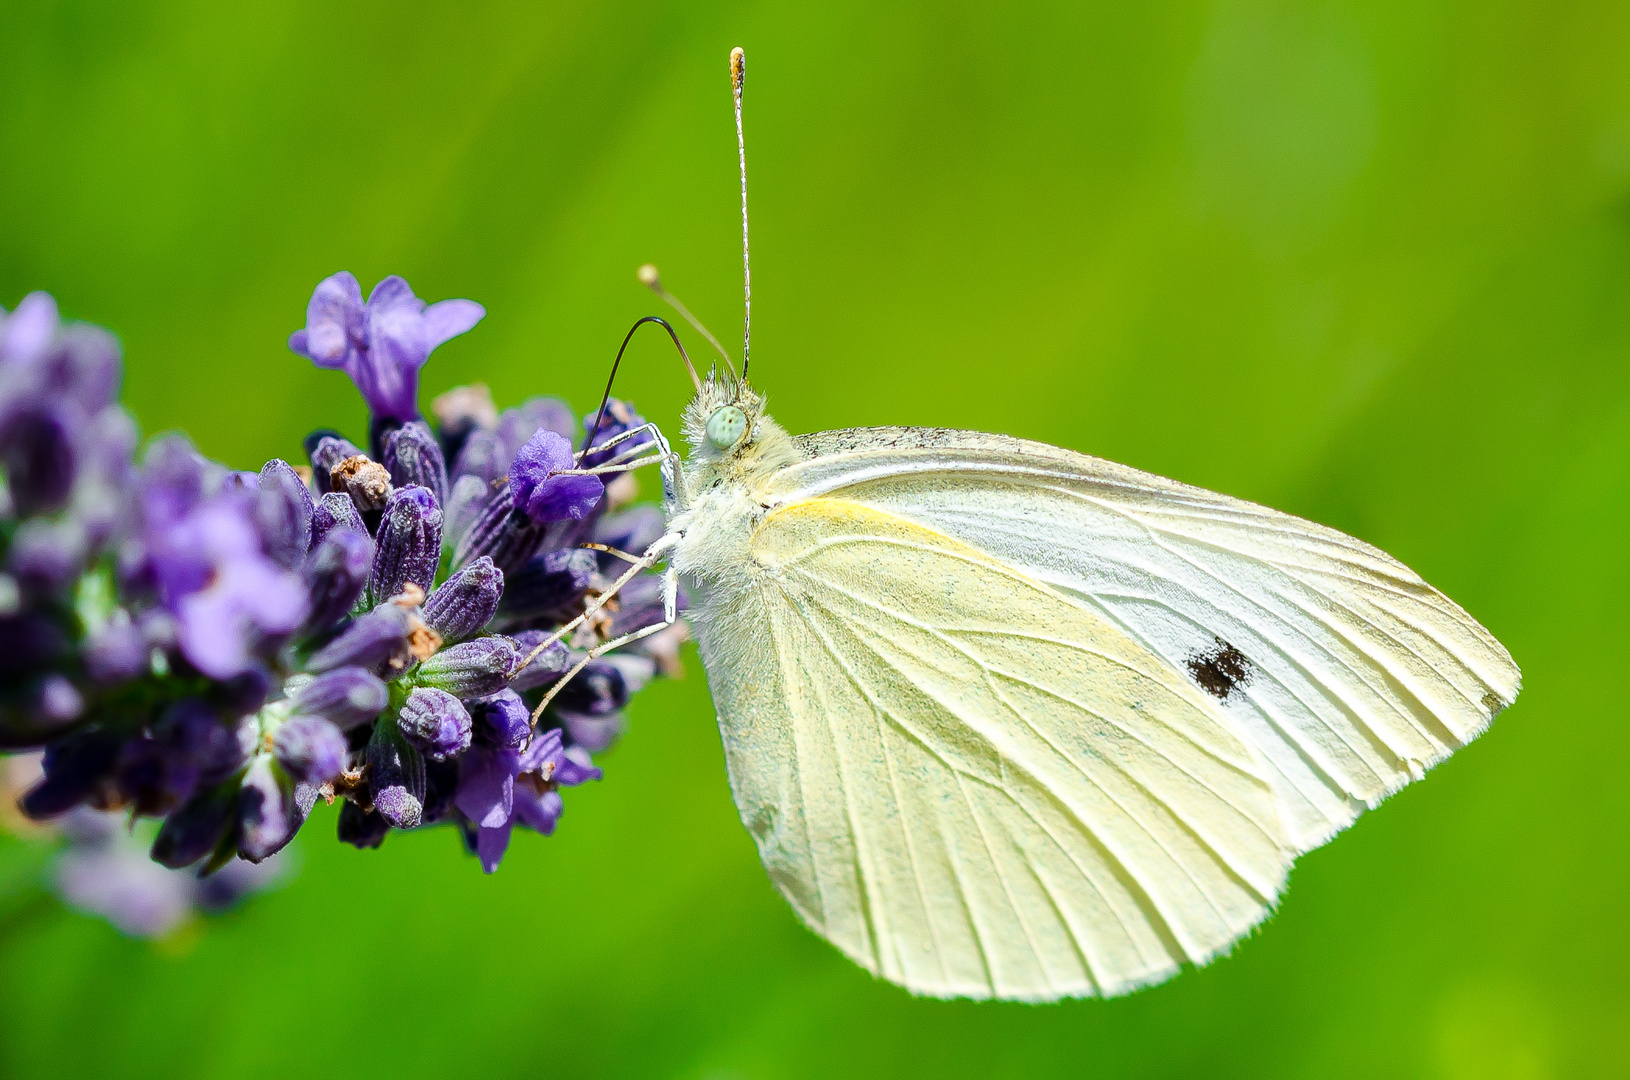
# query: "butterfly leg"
x,y
673,479
652,556
670,615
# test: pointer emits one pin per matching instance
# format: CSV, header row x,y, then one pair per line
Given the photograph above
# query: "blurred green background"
x,y
1369,263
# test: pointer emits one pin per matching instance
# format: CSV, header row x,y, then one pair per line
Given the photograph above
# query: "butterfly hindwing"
x,y
971,782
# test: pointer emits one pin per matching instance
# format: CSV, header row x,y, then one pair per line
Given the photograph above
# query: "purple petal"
x,y
502,720
334,321
396,347
486,786
450,318
213,633
393,301
269,814
28,330
310,749
543,754
592,732
135,894
490,845
576,768
538,811
250,598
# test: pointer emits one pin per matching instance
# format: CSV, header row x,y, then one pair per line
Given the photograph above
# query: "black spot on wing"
x,y
1220,670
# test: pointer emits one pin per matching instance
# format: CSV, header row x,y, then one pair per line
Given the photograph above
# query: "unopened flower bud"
x,y
519,423
544,667
436,723
361,828
413,457
337,571
464,603
310,749
619,418
38,452
549,583
334,511
409,543
461,411
283,510
598,690
472,669
345,697
377,641
468,497
74,765
395,776
327,450
502,533
481,457
197,826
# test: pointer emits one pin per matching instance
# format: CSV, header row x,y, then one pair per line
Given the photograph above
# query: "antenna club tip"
x,y
738,67
648,277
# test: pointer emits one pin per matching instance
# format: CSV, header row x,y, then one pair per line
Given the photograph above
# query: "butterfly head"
x,y
728,429
723,416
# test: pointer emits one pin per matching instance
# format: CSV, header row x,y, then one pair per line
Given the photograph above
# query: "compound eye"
x,y
726,426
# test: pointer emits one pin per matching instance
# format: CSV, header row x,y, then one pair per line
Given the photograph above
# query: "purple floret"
x,y
381,343
500,788
538,488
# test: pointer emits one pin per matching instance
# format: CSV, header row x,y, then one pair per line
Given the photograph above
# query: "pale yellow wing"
x,y
971,783
1346,671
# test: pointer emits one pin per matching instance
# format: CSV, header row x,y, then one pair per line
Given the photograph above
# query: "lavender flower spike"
x,y
380,344
219,649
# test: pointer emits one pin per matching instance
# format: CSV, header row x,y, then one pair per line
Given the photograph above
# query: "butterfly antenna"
x,y
605,399
738,77
652,280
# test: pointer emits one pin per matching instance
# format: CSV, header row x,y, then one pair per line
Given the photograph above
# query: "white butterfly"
x,y
1008,721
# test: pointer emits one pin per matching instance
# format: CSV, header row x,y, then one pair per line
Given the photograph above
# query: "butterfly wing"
x,y
969,782
1347,672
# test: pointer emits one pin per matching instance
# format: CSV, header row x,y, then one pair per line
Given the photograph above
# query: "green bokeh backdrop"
x,y
1369,263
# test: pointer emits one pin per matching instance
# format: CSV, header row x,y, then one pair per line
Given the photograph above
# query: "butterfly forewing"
x,y
1345,670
